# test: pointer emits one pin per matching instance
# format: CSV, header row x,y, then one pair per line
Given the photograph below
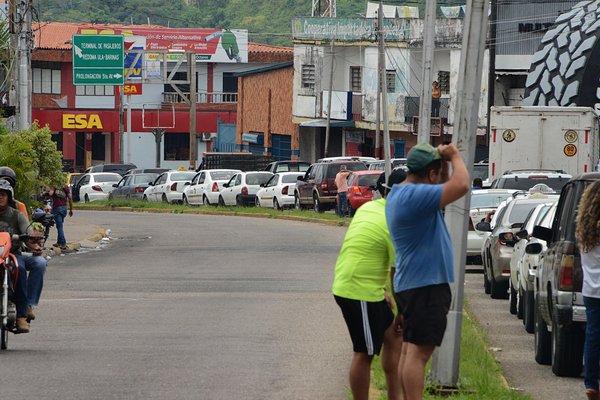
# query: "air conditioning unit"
x,y
207,136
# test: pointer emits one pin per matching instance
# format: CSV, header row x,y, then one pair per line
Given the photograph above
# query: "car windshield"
x,y
290,178
488,200
367,180
519,212
257,178
182,176
222,175
527,183
107,178
144,178
292,167
334,169
480,171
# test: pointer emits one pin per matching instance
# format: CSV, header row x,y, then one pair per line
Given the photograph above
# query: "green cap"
x,y
421,156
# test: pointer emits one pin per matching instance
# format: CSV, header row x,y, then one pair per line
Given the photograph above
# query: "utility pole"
x,y
21,41
380,69
328,127
121,122
445,361
492,62
193,96
428,48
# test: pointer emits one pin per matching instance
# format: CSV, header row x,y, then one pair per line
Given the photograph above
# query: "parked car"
x,y
147,170
483,201
317,187
120,169
96,186
361,185
557,290
379,165
525,179
288,166
132,186
168,187
496,251
206,186
524,263
278,192
347,158
242,187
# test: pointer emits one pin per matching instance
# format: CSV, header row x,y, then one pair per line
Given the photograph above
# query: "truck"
x,y
560,139
242,161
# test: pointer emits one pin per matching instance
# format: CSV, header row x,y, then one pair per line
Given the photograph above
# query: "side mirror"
x,y
263,185
543,233
226,185
483,226
115,185
533,248
507,238
522,234
150,183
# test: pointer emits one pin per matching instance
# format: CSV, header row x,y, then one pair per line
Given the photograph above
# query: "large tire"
x,y
205,201
486,282
164,198
276,204
512,299
542,338
297,203
567,349
561,67
498,290
317,204
528,313
145,198
221,202
520,303
185,200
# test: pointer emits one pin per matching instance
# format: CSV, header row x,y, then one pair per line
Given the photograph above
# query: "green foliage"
x,y
35,159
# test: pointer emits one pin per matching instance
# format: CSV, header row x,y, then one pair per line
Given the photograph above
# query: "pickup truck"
x,y
559,311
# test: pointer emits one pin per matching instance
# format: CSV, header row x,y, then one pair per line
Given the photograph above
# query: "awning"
x,y
322,123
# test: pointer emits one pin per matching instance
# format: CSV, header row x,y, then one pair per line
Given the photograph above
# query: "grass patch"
x,y
480,374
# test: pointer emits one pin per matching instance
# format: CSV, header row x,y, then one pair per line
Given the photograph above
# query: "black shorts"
x,y
425,310
367,322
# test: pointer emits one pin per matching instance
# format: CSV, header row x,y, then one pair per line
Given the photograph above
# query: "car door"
x,y
153,192
82,187
305,187
269,191
228,188
233,190
119,190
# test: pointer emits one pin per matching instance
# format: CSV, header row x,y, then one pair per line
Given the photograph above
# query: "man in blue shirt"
x,y
424,260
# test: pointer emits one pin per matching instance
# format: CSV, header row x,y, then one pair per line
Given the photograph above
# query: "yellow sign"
x,y
81,121
570,150
509,135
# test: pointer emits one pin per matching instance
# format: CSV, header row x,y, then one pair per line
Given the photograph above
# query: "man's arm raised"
x,y
459,182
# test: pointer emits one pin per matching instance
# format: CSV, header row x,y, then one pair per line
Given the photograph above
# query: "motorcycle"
x,y
9,275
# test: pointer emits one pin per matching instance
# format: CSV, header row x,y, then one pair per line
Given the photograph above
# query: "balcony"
x,y
411,108
202,98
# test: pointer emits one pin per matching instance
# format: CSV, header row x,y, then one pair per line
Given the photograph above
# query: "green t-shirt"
x,y
363,265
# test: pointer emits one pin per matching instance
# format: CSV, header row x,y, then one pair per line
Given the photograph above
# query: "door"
x,y
195,195
281,147
305,187
270,190
399,149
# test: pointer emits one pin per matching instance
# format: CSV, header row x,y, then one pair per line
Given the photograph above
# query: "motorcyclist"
x,y
9,174
32,265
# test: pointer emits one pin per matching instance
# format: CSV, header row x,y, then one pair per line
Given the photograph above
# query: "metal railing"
x,y
202,97
411,108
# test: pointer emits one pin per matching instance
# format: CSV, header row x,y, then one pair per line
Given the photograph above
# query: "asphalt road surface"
x,y
187,307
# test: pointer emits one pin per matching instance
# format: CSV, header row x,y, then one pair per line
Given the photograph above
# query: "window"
x,y
390,80
94,90
308,76
444,81
355,79
46,80
176,146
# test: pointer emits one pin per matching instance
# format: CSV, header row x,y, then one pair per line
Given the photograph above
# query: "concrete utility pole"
x,y
193,99
428,48
21,23
445,362
380,68
328,127
492,60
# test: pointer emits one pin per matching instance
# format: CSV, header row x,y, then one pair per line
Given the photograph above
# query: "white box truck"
x,y
551,138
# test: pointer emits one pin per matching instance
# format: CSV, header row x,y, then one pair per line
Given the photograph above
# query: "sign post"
x,y
98,60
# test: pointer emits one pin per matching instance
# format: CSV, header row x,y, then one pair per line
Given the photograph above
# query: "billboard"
x,y
210,45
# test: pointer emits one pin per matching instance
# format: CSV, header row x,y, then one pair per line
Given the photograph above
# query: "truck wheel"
x,y
520,303
562,62
498,290
542,339
528,320
567,349
317,204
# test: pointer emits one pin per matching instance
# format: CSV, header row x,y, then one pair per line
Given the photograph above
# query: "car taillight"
x,y
565,281
285,190
215,187
244,191
356,190
97,188
324,185
174,186
139,190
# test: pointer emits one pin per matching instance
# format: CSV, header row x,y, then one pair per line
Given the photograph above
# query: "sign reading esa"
x,y
81,121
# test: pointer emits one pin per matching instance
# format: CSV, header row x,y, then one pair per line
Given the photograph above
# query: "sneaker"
x,y
592,394
30,314
22,325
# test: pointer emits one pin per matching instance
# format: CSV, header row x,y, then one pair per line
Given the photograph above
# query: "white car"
x,y
278,192
96,185
524,262
242,187
168,187
482,202
206,186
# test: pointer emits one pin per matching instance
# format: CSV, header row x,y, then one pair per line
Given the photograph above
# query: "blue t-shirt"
x,y
420,237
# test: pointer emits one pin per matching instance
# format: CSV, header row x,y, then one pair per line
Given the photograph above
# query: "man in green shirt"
x,y
362,271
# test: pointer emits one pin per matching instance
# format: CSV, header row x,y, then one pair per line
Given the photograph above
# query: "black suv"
x,y
558,283
317,187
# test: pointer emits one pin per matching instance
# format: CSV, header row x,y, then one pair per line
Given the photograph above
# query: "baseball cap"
x,y
421,155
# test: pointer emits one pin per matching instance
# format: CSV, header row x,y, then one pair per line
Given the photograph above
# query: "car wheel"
x,y
257,202
528,311
297,203
567,349
239,202
542,339
110,196
221,202
86,199
512,299
486,281
498,290
164,198
317,204
185,200
205,201
145,198
520,303
276,204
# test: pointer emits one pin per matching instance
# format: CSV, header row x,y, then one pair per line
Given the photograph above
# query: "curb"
x,y
73,246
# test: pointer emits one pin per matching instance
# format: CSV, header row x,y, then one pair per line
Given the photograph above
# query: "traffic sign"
x,y
98,59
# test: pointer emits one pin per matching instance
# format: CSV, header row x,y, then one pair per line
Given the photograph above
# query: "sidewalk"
x,y
79,233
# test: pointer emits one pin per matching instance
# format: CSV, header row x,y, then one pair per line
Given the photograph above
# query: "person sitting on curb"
x,y
362,272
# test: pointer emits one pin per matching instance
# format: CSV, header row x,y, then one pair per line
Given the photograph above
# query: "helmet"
x,y
6,186
8,174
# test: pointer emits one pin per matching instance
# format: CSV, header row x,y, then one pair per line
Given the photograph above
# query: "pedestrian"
x,y
341,182
436,94
477,184
32,265
60,196
362,271
587,233
424,260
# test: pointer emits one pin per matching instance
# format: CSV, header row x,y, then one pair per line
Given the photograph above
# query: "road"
x,y
187,307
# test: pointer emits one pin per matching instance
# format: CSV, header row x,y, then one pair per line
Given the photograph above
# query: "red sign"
x,y
132,89
80,121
